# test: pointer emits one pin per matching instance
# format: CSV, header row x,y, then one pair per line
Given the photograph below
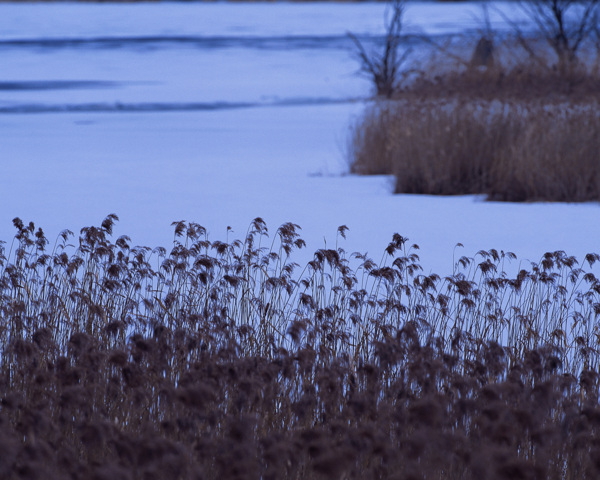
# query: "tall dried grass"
x,y
224,360
518,129
507,150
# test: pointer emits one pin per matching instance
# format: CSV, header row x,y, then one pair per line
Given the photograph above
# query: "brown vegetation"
x,y
509,151
511,116
218,360
515,132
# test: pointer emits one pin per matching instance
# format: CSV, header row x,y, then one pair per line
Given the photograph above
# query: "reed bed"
x,y
228,360
519,128
506,150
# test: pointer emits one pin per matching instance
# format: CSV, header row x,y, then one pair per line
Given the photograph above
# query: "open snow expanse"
x,y
218,113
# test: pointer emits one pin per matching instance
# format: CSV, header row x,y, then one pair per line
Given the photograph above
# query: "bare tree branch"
x,y
445,49
565,24
384,68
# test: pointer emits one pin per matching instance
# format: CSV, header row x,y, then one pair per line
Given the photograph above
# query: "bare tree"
x,y
384,67
565,24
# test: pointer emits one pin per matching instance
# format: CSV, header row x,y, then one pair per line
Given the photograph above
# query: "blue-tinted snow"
x,y
219,113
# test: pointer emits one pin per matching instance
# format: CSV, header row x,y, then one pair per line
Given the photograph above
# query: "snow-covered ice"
x,y
219,113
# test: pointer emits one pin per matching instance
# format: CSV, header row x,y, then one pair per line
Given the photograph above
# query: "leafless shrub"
x,y
384,68
565,24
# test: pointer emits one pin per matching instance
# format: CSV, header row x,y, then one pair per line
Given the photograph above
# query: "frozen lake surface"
x,y
221,112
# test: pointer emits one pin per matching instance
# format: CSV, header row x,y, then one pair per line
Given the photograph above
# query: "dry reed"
x,y
224,360
517,129
507,150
